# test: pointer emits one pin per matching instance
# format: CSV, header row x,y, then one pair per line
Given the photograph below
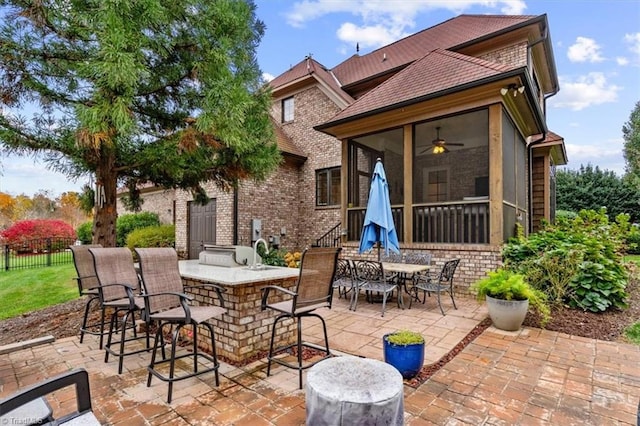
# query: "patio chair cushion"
x,y
199,314
287,307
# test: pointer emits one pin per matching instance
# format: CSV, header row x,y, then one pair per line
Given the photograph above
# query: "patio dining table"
x,y
405,270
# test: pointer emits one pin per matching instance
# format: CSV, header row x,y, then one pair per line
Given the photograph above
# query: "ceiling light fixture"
x,y
438,149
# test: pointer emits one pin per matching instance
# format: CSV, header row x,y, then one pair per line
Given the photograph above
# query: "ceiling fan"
x,y
440,145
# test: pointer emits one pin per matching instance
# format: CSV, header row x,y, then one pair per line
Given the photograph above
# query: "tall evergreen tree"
x,y
631,134
160,91
592,188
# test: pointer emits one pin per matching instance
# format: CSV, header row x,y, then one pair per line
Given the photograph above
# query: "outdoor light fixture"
x,y
514,88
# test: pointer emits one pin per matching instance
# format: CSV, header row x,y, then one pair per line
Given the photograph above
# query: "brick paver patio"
x,y
528,377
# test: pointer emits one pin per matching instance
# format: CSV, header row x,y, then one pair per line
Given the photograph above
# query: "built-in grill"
x,y
227,256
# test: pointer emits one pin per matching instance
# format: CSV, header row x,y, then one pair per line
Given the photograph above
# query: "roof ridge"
x,y
401,39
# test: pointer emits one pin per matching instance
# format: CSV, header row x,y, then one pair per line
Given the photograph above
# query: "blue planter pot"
x,y
407,359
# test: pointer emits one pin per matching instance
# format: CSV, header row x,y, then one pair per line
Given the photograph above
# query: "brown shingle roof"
x,y
447,35
285,144
300,70
556,143
310,68
435,72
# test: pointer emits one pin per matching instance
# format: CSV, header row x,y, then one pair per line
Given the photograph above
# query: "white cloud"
x,y
634,41
369,36
386,21
585,91
267,77
26,175
606,155
622,61
584,50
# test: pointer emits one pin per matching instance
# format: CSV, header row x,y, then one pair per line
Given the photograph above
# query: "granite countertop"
x,y
234,275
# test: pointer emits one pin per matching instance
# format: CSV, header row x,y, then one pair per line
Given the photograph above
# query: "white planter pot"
x,y
507,315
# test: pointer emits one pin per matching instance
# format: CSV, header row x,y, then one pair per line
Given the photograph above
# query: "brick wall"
x,y
538,191
224,216
158,201
276,203
312,107
245,330
515,55
475,260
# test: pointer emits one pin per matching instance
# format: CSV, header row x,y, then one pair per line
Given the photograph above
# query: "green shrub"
x,y
273,258
632,333
404,338
508,285
583,254
85,232
152,236
129,222
632,240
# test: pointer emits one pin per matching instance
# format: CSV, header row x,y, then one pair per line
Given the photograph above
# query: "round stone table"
x,y
348,390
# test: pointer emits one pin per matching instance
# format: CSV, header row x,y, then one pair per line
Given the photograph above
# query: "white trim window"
x,y
287,109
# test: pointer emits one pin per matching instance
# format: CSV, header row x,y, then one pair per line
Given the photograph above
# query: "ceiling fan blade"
x,y
454,144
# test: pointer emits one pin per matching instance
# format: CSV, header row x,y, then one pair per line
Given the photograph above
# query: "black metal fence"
x,y
36,253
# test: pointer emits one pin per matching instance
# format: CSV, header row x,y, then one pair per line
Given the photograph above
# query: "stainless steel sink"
x,y
258,268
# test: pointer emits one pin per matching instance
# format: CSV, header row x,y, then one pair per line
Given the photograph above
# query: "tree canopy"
x,y
590,188
631,134
151,91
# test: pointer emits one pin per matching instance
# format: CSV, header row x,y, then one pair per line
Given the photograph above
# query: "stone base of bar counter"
x,y
244,331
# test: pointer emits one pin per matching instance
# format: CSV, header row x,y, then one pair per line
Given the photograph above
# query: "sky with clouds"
x,y
596,47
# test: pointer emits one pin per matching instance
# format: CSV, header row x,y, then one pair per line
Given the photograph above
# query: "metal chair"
x,y
88,286
343,280
417,259
119,289
443,283
371,278
29,405
167,305
392,257
313,290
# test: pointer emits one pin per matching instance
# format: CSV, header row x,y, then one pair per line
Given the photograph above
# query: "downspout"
x,y
235,216
544,37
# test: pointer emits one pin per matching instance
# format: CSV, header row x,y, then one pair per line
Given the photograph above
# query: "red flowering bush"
x,y
31,235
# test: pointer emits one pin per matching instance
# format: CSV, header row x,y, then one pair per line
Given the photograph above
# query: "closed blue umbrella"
x,y
378,226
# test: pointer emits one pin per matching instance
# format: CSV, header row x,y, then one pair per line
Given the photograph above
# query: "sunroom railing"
x,y
459,222
355,218
465,222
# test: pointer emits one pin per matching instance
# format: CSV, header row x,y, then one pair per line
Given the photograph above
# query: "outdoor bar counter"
x,y
244,331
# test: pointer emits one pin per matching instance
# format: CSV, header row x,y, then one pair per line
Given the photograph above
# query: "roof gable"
x,y
311,69
435,72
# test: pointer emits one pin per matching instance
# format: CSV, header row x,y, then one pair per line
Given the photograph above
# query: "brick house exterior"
x,y
483,80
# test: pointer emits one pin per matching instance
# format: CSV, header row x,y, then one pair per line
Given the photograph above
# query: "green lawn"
x,y
27,290
632,258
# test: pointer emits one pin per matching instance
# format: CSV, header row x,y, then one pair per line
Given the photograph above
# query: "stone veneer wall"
x,y
475,259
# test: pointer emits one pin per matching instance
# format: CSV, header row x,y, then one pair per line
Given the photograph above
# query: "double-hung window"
x,y
328,187
287,110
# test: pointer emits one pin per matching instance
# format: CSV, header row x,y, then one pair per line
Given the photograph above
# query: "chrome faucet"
x,y
255,250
